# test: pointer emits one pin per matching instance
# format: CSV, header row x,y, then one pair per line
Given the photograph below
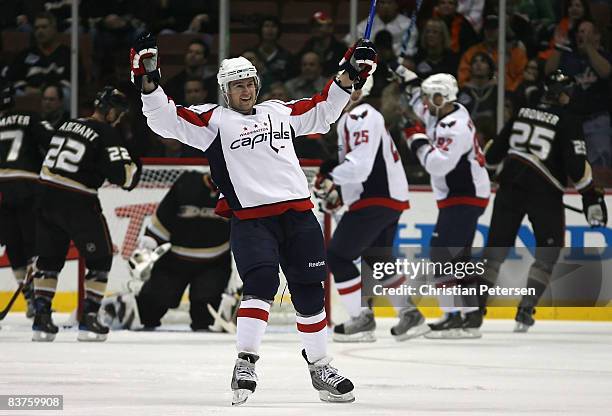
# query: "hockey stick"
x,y
571,208
408,32
368,28
22,284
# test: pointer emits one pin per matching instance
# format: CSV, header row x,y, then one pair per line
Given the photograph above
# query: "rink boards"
x,y
416,226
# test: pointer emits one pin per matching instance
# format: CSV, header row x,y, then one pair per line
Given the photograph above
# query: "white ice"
x,y
556,368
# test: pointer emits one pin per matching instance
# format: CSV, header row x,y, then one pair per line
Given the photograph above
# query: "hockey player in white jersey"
x,y
265,192
375,190
444,140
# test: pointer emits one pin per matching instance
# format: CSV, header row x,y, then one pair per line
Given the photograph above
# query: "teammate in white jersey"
x,y
444,140
265,192
375,190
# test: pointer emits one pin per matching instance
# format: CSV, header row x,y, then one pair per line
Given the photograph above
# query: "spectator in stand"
x,y
114,25
590,65
47,61
191,16
196,92
277,91
277,60
516,57
541,12
564,35
309,81
324,43
434,55
529,89
479,94
473,11
461,32
265,77
196,61
383,41
388,18
52,105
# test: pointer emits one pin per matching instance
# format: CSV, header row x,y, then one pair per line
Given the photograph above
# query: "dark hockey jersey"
x,y
541,147
24,139
186,218
83,153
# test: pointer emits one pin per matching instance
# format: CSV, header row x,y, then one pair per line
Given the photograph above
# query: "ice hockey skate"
x,y
44,330
524,318
358,329
91,330
472,321
332,387
450,327
411,325
244,380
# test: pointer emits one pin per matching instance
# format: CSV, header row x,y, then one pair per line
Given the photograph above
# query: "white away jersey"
x,y
370,170
251,157
454,160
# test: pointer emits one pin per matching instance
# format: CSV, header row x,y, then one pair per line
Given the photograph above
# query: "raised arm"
x,y
191,126
316,114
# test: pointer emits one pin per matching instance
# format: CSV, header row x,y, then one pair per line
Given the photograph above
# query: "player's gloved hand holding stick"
x,y
144,63
359,62
594,207
325,189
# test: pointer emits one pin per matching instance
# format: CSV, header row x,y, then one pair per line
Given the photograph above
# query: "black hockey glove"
x,y
359,61
594,207
144,60
408,80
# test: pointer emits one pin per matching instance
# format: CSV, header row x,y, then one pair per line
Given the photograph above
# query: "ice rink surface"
x,y
557,368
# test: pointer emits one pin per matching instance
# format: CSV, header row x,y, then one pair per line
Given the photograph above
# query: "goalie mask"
x,y
443,85
234,69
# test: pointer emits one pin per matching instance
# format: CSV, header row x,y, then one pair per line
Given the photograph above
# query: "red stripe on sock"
x,y
309,328
350,289
254,313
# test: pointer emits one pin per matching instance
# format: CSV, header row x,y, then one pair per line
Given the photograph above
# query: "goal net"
x,y
128,214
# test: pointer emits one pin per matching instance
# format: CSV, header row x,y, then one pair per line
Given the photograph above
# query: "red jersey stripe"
x,y
224,210
463,200
382,201
307,104
200,120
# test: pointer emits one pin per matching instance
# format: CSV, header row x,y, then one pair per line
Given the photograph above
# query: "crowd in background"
x,y
453,36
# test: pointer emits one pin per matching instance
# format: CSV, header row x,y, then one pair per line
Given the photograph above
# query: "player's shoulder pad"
x,y
364,113
275,106
458,123
203,108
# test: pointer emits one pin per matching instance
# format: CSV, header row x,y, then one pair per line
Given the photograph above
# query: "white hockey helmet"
x,y
443,84
234,69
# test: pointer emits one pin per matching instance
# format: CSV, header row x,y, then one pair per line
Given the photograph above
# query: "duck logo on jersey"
x,y
261,134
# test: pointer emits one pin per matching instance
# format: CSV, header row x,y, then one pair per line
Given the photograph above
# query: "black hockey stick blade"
x,y
22,284
6,310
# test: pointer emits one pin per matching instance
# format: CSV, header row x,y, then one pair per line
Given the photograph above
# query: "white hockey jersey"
x,y
251,157
454,160
370,170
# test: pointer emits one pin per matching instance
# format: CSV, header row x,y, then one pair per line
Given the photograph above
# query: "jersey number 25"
x,y
536,140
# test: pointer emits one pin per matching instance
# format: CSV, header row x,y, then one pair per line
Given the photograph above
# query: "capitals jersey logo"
x,y
250,137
